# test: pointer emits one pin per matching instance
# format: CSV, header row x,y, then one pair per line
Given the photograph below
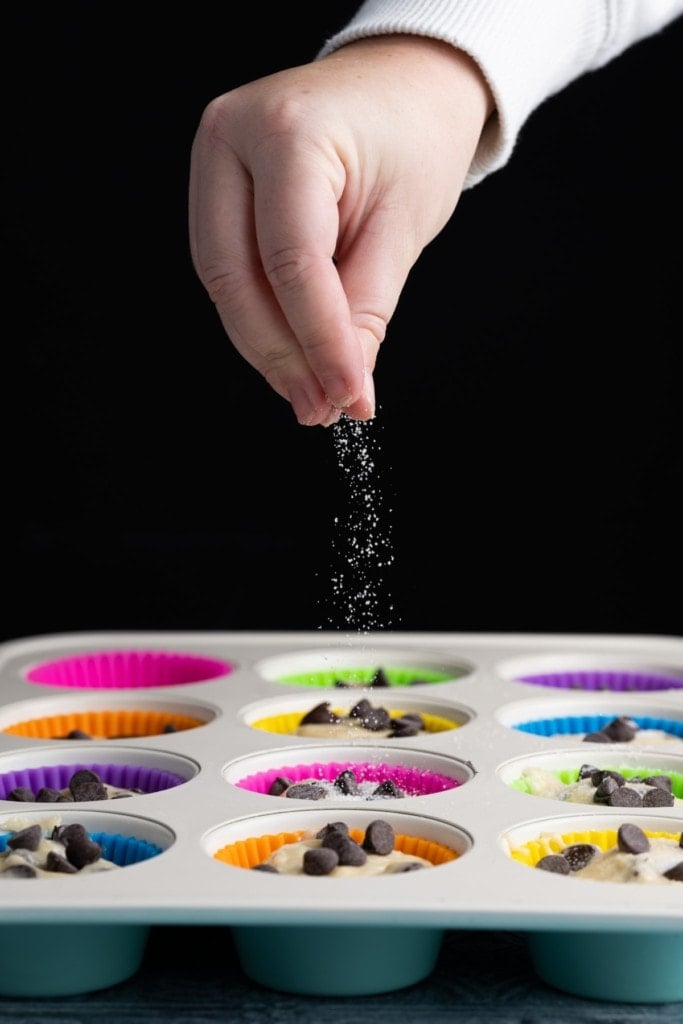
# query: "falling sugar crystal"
x,y
362,540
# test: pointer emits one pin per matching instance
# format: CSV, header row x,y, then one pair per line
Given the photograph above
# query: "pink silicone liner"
x,y
128,670
413,781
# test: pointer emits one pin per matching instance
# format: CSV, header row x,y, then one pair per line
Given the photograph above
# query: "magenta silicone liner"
x,y
131,669
413,781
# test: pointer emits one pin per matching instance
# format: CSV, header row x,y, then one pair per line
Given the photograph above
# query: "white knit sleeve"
x,y
527,49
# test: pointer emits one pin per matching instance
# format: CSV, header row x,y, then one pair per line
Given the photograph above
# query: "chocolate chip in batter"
x,y
632,839
675,874
321,714
26,839
626,796
22,794
306,791
555,863
86,785
347,783
388,788
320,860
578,855
350,852
279,785
379,838
657,797
19,871
56,862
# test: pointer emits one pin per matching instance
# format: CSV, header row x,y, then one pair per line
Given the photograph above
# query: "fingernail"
x,y
369,392
337,390
333,417
304,410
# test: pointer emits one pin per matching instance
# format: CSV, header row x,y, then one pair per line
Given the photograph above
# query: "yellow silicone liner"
x,y
247,853
288,723
531,852
102,724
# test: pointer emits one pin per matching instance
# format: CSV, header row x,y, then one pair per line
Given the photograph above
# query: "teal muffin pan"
x,y
339,802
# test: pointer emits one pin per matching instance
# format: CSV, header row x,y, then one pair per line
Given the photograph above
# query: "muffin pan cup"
x,y
283,925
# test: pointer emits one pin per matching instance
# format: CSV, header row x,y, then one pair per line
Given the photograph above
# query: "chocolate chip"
x,y
26,839
388,788
621,729
586,771
660,781
403,727
604,790
657,797
578,855
169,727
279,785
266,867
625,796
55,862
596,737
350,853
321,714
306,791
19,871
411,865
632,839
377,719
80,848
87,785
48,795
77,734
379,838
21,794
333,826
555,863
361,708
675,874
320,860
380,678
347,783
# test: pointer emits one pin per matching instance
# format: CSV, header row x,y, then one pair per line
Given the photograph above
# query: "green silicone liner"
x,y
396,676
569,775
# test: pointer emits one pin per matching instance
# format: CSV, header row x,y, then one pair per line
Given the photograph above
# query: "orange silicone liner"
x,y
531,852
247,853
103,724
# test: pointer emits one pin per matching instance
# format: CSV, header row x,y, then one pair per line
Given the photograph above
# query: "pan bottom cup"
x,y
352,961
71,958
46,959
611,966
349,959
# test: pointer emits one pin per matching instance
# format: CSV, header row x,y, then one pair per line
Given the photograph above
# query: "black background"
x,y
529,425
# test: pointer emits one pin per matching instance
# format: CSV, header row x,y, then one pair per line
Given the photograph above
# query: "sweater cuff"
x,y
527,49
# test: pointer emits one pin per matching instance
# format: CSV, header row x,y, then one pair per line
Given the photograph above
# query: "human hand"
x,y
312,193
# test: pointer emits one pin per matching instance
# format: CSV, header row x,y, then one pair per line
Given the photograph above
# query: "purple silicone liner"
x,y
123,670
413,781
613,680
124,776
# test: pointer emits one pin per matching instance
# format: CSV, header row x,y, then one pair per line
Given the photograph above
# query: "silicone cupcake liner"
x,y
569,775
123,776
598,680
129,669
363,676
412,781
530,853
331,667
288,723
247,853
572,725
104,724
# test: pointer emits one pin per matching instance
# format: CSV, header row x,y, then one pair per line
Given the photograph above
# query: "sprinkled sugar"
x,y
362,541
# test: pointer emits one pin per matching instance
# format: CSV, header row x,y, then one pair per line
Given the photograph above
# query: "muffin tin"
x,y
209,719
